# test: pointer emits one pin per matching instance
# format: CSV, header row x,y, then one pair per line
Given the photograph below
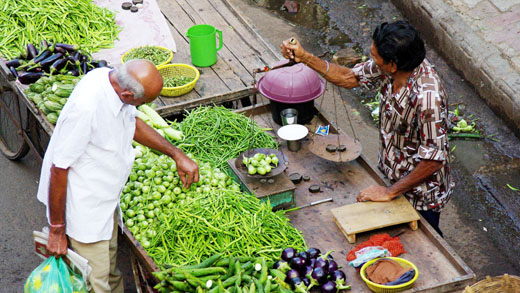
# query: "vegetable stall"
x,y
232,229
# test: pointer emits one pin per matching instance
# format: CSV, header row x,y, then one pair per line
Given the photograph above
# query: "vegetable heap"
x,y
260,163
153,119
78,22
176,81
216,134
154,186
310,268
216,274
50,94
51,58
225,221
153,54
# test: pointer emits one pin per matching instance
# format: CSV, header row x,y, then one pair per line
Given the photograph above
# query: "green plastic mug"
x,y
203,44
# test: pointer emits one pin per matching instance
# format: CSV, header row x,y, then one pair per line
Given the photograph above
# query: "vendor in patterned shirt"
x,y
414,152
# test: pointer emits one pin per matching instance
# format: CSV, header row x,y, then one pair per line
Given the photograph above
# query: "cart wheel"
x,y
12,143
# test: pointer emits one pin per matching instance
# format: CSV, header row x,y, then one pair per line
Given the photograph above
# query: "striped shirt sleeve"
x,y
368,74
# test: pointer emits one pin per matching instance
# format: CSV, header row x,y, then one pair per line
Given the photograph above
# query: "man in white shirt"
x,y
88,161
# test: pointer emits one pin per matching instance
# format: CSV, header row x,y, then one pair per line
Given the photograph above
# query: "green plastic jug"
x,y
203,44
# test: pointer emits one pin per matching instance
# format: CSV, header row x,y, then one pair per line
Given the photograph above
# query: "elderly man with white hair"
x,y
88,161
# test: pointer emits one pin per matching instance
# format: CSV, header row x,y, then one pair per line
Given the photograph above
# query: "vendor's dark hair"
x,y
400,43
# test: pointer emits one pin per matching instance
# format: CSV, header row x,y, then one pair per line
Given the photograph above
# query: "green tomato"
x,y
157,211
251,170
170,205
165,166
159,173
177,190
214,182
145,189
173,168
156,195
235,187
258,156
206,189
182,196
146,244
162,188
267,168
130,213
149,173
157,180
150,214
143,224
167,178
129,223
150,206
140,218
156,204
150,233
141,167
123,205
261,170
166,199
140,173
254,163
166,184
155,168
133,177
268,160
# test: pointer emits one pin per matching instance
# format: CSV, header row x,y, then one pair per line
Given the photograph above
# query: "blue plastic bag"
x,y
54,276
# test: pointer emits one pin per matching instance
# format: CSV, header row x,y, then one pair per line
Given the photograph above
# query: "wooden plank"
x,y
179,107
367,216
180,20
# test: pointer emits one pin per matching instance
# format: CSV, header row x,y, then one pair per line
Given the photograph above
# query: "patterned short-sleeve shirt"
x,y
413,126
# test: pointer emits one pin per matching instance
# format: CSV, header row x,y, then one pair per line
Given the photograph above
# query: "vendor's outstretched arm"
x,y
418,175
57,242
187,168
338,75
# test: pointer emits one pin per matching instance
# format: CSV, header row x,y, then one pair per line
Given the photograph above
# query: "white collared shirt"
x,y
93,137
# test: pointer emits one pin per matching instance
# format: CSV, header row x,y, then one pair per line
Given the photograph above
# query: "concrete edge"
x,y
473,57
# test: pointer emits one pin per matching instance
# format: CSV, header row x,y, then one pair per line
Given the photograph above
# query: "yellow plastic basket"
x,y
177,69
389,289
162,48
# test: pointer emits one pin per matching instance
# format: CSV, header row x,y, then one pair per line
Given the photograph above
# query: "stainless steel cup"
x,y
289,116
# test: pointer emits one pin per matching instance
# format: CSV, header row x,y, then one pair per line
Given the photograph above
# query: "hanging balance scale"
x,y
335,145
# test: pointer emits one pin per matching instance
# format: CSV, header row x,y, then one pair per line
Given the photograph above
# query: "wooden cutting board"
x,y
367,216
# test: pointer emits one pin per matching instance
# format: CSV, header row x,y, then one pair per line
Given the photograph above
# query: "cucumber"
x,y
52,106
53,98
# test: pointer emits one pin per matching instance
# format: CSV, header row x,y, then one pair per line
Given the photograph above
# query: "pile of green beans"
x,y
222,221
153,54
78,22
216,134
176,81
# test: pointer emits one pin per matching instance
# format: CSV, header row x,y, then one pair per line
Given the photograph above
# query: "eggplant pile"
x,y
51,58
307,269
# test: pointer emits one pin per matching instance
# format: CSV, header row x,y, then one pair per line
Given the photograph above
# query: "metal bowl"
x,y
282,162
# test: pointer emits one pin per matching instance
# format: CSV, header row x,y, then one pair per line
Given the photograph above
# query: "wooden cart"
x,y
440,269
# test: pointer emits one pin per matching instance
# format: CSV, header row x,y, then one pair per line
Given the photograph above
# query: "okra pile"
x,y
50,93
176,81
229,274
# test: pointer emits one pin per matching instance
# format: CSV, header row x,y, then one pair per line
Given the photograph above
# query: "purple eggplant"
x,y
312,262
43,45
29,77
307,270
14,63
13,71
329,287
50,60
298,263
61,50
101,63
323,261
43,55
70,48
288,253
304,255
338,276
306,281
291,274
75,72
57,65
282,265
333,266
317,277
298,285
83,67
31,51
313,252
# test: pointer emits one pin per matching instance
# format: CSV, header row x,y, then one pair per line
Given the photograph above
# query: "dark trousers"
x,y
433,219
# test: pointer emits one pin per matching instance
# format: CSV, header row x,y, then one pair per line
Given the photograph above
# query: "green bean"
x,y
154,54
216,134
225,215
74,22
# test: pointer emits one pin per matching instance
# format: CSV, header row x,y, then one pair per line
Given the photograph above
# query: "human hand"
x,y
188,170
57,243
374,193
292,49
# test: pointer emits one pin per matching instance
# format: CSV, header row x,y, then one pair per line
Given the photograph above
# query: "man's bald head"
x,y
142,78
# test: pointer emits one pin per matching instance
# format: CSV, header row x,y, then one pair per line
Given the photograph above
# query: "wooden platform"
x,y
231,77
